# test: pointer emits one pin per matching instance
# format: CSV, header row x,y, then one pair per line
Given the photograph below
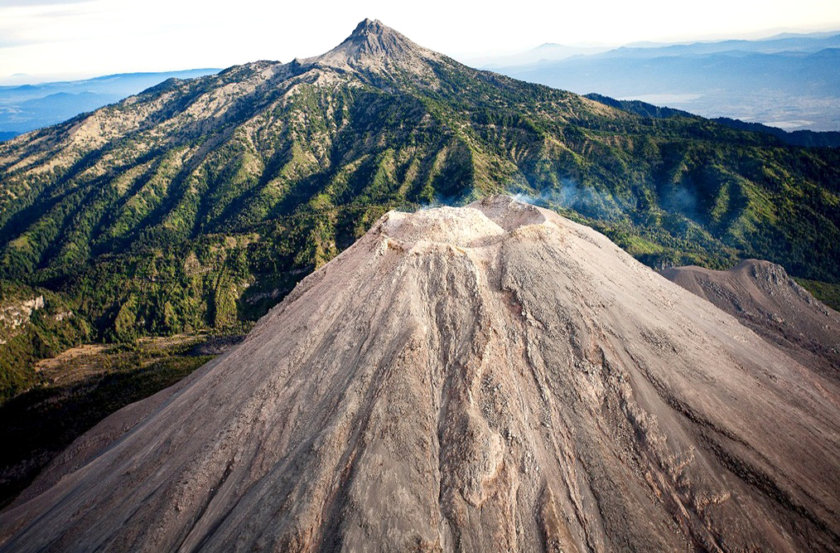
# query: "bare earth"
x,y
72,364
489,378
763,297
75,364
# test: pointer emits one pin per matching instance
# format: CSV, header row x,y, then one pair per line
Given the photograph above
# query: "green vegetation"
x,y
36,425
826,292
31,330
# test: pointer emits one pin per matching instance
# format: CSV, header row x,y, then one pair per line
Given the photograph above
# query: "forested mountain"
x,y
199,203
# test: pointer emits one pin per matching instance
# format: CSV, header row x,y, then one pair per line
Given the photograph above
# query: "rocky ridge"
x,y
766,299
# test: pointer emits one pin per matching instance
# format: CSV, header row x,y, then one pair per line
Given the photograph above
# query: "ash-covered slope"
x,y
489,378
763,297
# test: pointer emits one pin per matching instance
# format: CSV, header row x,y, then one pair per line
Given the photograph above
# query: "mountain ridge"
x,y
764,298
29,107
810,139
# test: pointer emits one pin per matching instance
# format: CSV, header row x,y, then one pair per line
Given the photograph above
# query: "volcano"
x,y
486,378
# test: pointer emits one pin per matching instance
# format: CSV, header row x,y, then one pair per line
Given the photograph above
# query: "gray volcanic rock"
x,y
374,45
488,378
763,297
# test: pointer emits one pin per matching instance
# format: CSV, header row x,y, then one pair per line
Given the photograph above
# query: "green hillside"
x,y
198,204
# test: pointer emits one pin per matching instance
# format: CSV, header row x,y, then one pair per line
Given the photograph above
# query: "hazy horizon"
x,y
21,79
49,40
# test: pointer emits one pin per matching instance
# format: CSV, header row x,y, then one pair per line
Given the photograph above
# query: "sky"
x,y
43,40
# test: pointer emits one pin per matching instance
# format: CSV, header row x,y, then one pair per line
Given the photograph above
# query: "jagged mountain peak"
x,y
371,26
374,45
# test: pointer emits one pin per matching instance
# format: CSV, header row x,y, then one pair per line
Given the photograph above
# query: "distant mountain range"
x,y
27,107
790,81
810,42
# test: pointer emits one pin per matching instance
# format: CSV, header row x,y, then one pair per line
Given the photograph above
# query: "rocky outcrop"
x,y
15,315
488,378
18,314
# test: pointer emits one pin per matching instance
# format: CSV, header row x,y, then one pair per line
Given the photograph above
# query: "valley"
x,y
83,385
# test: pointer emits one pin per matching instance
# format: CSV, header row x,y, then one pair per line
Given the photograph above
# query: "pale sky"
x,y
51,39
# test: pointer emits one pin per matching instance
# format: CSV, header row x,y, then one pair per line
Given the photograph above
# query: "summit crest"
x,y
372,45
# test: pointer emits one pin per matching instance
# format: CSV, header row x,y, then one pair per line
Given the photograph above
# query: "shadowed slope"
x,y
489,378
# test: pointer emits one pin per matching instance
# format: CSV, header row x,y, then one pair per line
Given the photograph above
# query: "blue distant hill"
x,y
789,81
27,107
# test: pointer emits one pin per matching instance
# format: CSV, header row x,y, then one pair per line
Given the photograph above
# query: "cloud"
x,y
27,3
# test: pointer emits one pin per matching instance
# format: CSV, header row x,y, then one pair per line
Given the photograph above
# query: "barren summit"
x,y
486,378
374,46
